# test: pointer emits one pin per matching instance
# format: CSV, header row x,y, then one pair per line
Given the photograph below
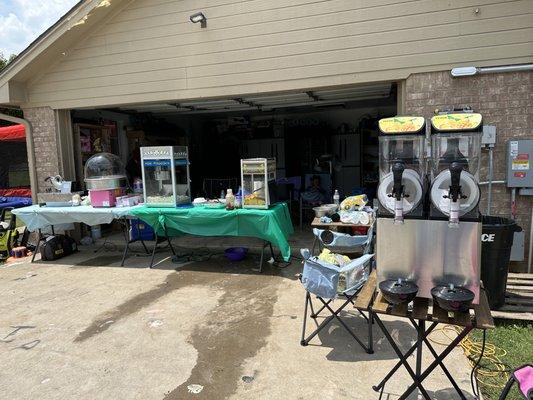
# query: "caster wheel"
x,y
303,343
375,388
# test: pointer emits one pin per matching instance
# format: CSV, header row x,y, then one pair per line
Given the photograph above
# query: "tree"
x,y
4,61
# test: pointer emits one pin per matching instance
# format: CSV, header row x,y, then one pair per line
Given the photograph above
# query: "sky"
x,y
22,21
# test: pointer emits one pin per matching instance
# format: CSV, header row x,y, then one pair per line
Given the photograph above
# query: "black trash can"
x,y
497,240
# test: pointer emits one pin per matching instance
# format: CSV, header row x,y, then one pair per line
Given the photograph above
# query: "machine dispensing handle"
x,y
397,171
455,185
455,193
397,191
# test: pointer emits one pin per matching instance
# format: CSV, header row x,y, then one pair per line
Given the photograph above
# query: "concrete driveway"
x,y
86,328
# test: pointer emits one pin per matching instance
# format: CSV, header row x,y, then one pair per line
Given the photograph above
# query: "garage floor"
x,y
85,328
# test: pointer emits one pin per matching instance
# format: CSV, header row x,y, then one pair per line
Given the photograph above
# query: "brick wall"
x,y
43,122
505,100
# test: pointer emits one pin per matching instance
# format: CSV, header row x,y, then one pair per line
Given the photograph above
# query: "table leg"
x,y
124,224
153,253
261,261
169,242
420,331
438,361
380,386
444,369
403,359
370,333
38,245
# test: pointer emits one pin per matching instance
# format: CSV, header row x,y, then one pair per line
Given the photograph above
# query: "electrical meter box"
x,y
520,163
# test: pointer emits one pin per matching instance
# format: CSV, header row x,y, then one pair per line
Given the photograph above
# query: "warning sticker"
x,y
520,165
513,148
519,174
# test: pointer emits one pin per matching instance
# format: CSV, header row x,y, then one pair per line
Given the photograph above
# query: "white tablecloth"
x,y
36,217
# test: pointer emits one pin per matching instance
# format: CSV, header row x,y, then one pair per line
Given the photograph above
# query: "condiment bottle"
x,y
238,198
336,198
230,200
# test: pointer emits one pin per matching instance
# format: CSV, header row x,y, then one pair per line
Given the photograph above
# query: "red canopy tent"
x,y
13,133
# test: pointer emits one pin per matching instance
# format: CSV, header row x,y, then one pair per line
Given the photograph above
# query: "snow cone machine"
x,y
165,174
428,224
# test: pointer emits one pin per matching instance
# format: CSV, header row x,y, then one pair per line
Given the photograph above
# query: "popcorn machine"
x,y
258,177
165,173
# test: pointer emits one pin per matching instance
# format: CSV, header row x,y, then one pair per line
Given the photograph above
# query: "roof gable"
x,y
53,43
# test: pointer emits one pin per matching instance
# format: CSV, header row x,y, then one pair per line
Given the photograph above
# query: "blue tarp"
x,y
14,202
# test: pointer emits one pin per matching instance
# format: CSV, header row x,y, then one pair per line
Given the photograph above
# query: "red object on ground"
x,y
13,133
15,192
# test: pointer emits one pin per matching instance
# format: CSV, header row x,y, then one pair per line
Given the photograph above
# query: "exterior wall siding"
x,y
506,101
149,51
43,122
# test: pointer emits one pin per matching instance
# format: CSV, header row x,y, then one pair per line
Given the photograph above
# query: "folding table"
x,y
37,218
479,317
273,225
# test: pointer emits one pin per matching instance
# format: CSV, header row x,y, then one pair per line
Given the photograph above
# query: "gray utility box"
x,y
520,163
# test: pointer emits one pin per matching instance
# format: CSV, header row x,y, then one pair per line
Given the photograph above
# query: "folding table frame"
x,y
124,223
360,300
418,317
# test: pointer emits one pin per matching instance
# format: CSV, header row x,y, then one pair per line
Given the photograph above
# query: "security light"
x,y
464,71
199,17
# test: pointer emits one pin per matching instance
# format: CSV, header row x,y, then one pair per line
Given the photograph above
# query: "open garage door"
x,y
325,137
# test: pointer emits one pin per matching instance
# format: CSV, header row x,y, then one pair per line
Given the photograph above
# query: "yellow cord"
x,y
491,366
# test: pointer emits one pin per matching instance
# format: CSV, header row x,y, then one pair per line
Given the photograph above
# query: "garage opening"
x,y
323,137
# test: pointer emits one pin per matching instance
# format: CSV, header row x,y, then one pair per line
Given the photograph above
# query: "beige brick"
x,y
505,100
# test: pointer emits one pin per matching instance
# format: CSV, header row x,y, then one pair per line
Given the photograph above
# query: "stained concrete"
x,y
90,329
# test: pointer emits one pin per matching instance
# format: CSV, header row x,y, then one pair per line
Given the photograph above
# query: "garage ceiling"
x,y
315,98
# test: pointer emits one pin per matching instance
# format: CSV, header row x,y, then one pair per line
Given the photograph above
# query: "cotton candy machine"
x,y
105,178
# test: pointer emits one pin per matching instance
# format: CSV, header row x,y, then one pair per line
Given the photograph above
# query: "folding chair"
x,y
322,279
342,243
523,376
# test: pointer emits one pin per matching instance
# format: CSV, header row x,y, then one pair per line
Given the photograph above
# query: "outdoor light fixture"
x,y
199,17
464,71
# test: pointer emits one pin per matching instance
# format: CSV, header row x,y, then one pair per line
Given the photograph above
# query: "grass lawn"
x,y
516,339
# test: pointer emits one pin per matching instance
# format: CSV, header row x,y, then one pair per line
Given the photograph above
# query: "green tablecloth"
x,y
273,225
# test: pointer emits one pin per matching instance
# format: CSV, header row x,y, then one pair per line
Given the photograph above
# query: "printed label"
x,y
456,122
401,124
520,165
488,237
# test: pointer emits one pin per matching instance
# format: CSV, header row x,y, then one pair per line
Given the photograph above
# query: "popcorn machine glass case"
x,y
456,148
401,165
258,176
165,173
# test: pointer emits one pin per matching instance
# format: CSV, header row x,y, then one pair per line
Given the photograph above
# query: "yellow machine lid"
x,y
401,125
456,122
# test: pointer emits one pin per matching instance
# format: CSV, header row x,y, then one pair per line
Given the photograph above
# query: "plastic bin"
x,y
497,240
140,230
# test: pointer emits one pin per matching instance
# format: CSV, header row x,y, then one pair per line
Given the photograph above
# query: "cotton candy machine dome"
x,y
105,171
